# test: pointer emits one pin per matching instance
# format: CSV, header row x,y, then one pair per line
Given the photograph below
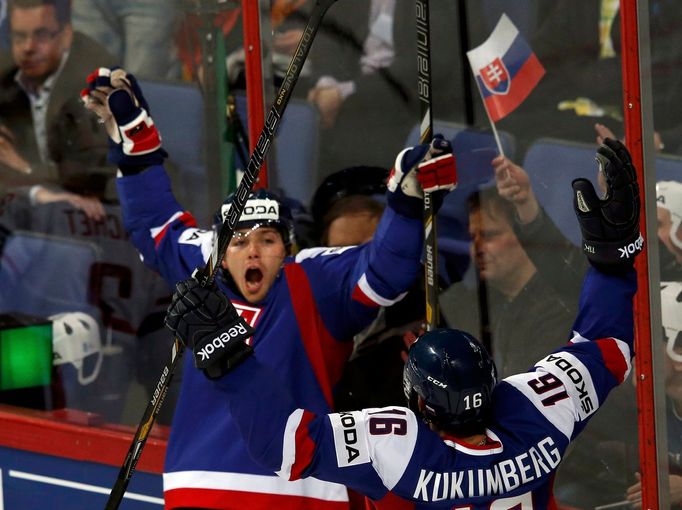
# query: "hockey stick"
x,y
425,135
206,275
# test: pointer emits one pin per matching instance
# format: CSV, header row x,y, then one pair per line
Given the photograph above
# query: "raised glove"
x,y
117,99
206,322
610,226
426,167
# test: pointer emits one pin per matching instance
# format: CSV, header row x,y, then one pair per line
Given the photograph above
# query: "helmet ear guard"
x,y
454,376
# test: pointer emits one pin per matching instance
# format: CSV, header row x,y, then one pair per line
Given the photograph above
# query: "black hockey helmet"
x,y
356,180
454,376
262,209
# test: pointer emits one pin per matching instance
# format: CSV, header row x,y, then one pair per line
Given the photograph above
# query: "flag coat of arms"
x,y
505,69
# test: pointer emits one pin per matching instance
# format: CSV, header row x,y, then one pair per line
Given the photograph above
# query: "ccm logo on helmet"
x,y
436,382
221,341
631,248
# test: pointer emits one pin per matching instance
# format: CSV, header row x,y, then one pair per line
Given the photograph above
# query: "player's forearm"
x,y
262,408
393,262
155,221
606,306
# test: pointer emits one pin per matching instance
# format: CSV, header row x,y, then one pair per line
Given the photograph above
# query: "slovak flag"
x,y
505,68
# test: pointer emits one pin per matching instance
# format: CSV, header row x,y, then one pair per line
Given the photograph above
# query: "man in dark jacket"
x,y
46,137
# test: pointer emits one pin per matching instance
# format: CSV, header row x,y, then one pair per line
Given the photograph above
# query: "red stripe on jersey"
x,y
185,218
305,447
238,500
613,358
327,355
361,297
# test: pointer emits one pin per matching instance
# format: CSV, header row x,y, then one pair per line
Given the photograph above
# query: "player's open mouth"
x,y
254,278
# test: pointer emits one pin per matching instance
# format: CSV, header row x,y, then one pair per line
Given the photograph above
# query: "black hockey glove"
x,y
206,322
116,98
610,226
426,167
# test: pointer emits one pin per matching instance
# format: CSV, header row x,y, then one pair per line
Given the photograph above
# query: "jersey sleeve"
x,y
569,385
164,233
351,283
369,451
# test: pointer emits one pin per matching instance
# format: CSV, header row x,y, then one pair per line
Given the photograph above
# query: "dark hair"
x,y
349,206
62,8
490,201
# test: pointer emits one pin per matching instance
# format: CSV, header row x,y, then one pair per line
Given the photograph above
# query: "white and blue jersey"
x,y
535,416
304,330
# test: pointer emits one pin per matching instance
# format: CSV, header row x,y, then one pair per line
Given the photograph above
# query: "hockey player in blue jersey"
x,y
485,444
298,313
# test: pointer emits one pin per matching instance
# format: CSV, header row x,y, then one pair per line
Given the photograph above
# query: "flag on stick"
x,y
505,69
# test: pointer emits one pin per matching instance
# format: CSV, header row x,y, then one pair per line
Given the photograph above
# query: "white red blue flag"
x,y
505,68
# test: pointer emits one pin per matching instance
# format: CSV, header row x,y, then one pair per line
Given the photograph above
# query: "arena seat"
x,y
43,275
474,150
178,111
668,167
296,149
552,165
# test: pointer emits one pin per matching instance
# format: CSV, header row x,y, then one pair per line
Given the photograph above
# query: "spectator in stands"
x,y
46,138
139,33
369,67
287,21
515,291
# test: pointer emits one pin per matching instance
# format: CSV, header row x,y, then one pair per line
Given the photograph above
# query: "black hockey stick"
x,y
206,275
425,135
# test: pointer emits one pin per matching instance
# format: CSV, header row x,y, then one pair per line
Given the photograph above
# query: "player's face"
x,y
38,40
351,229
254,258
665,232
495,249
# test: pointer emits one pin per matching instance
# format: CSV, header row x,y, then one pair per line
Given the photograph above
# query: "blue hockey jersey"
x,y
319,300
535,416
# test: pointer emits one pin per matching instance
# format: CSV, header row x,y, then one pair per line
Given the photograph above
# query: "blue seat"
x,y
474,150
296,150
178,111
43,275
668,168
552,165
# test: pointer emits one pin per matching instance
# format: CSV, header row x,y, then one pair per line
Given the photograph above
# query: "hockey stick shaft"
x,y
207,274
425,135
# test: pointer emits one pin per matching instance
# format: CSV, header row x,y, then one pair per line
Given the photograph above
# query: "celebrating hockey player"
x,y
298,314
485,444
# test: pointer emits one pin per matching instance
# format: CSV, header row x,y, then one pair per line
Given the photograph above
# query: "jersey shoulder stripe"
x,y
158,233
365,294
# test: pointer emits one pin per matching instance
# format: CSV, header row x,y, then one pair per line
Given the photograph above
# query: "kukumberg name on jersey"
x,y
501,478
